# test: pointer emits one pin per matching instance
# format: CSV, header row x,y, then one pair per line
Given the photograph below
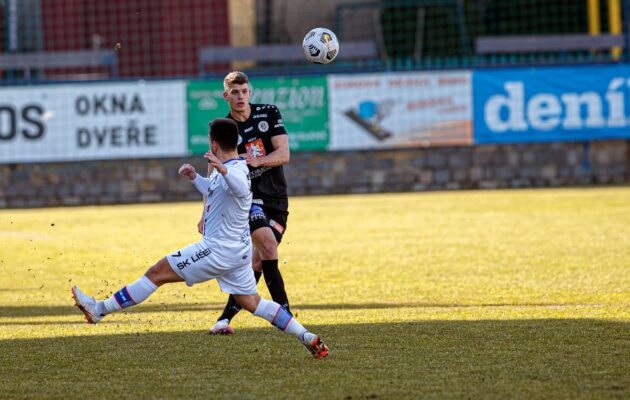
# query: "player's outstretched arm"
x,y
202,184
187,171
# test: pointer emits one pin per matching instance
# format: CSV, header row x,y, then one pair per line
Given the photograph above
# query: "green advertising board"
x,y
303,103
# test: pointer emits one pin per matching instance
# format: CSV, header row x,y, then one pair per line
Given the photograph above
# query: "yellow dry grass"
x,y
486,294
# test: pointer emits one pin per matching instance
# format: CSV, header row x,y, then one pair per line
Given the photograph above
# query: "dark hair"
x,y
224,131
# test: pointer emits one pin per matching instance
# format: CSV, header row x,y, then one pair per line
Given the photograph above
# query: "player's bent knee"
x,y
248,301
269,250
266,244
162,273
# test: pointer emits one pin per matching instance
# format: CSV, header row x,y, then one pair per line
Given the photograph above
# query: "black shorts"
x,y
261,217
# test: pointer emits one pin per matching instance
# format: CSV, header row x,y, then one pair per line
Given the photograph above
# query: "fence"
x,y
167,38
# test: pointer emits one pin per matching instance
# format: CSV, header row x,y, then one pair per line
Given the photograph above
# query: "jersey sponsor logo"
x,y
248,129
200,254
194,258
258,172
259,116
256,148
263,126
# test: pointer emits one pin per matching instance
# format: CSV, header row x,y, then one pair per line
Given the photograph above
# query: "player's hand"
x,y
215,162
255,162
188,171
248,157
200,225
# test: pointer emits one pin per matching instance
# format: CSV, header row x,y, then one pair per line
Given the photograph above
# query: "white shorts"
x,y
197,263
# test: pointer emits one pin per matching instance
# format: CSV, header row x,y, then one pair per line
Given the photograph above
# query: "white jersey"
x,y
227,201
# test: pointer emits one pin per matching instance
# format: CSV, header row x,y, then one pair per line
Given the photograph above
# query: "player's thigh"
x,y
261,217
237,280
277,221
267,226
265,243
195,263
161,273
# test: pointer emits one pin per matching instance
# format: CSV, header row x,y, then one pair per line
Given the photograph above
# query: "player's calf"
x,y
279,317
128,296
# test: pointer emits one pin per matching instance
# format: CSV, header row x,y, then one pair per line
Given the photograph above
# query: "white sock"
x,y
128,296
280,318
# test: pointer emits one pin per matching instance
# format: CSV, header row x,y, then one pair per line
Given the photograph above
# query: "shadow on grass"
x,y
51,311
568,358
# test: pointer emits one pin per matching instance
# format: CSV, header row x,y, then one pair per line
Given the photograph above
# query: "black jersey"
x,y
268,183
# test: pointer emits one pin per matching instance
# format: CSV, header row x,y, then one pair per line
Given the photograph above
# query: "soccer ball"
x,y
320,46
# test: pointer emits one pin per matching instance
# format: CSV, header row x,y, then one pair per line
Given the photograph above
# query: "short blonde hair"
x,y
234,78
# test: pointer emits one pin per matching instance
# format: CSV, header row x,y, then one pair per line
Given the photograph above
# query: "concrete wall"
x,y
446,168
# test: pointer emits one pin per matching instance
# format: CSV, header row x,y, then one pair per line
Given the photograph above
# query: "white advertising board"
x,y
402,109
93,121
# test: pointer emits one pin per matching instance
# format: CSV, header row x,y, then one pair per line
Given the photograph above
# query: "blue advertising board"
x,y
551,104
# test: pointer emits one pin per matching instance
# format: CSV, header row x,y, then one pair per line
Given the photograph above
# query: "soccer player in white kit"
x,y
224,253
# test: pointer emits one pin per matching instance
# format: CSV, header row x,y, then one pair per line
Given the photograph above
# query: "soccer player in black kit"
x,y
264,143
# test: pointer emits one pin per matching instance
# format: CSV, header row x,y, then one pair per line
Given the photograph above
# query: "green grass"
x,y
487,294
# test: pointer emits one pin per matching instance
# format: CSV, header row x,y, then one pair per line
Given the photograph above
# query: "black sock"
x,y
232,307
275,283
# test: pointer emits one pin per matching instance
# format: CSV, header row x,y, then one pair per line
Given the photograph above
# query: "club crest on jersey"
x,y
263,126
256,148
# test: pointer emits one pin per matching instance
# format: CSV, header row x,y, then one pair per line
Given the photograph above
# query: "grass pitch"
x,y
487,294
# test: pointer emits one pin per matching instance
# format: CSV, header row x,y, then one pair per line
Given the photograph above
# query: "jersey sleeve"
x,y
276,123
202,184
237,181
